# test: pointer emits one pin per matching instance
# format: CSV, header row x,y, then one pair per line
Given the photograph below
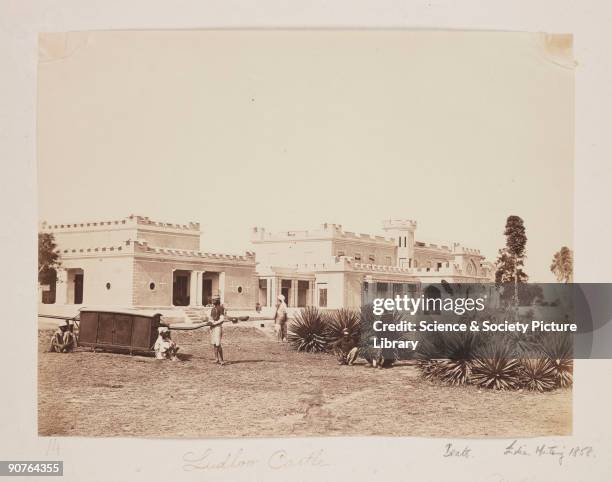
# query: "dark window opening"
x,y
323,297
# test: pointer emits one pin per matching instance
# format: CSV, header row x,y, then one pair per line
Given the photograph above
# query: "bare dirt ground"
x,y
267,389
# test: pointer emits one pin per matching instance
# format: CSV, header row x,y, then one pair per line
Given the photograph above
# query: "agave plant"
x,y
558,349
448,356
340,320
461,348
538,374
495,368
308,331
430,355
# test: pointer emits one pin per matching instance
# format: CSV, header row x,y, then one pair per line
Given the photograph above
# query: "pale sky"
x,y
287,130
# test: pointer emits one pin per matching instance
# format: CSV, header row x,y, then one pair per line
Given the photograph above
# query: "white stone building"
x,y
137,262
329,267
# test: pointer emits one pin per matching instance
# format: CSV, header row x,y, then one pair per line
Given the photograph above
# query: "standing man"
x,y
217,316
280,319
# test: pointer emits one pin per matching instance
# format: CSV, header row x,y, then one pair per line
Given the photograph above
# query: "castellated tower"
x,y
402,230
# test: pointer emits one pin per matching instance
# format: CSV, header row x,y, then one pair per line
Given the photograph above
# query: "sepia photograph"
x,y
217,207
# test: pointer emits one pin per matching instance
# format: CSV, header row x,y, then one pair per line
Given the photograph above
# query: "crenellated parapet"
x,y
399,225
458,249
66,227
124,248
143,247
447,271
419,246
131,221
146,221
327,231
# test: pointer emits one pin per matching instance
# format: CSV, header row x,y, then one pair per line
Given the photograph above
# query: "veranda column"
x,y
61,288
193,288
294,292
269,295
222,286
199,288
274,281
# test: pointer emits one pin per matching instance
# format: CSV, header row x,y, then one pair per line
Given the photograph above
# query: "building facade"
x,y
137,262
140,263
330,267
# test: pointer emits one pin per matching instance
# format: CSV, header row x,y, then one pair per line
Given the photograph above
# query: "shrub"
x,y
495,368
538,374
308,331
558,349
449,356
502,362
343,319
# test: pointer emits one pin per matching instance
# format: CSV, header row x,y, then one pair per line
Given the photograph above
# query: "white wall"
x,y
97,272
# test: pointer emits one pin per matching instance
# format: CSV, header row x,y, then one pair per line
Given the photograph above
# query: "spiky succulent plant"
x,y
343,319
308,331
495,368
449,356
537,374
559,349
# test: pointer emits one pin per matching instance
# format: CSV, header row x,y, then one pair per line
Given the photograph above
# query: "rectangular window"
x,y
381,290
398,289
323,297
388,260
263,292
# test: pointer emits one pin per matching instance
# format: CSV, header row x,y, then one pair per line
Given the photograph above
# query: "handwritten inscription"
x,y
238,459
451,451
558,452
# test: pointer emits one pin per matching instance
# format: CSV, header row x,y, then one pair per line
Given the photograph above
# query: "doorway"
x,y
78,289
180,288
303,292
207,291
286,290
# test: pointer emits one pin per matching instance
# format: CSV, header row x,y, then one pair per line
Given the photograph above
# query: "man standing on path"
x,y
217,316
280,319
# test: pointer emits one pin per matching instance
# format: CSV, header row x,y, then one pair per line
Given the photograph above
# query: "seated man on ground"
x,y
346,349
63,340
165,348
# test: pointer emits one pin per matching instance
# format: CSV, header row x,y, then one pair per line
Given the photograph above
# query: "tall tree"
x,y
48,258
563,265
511,259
